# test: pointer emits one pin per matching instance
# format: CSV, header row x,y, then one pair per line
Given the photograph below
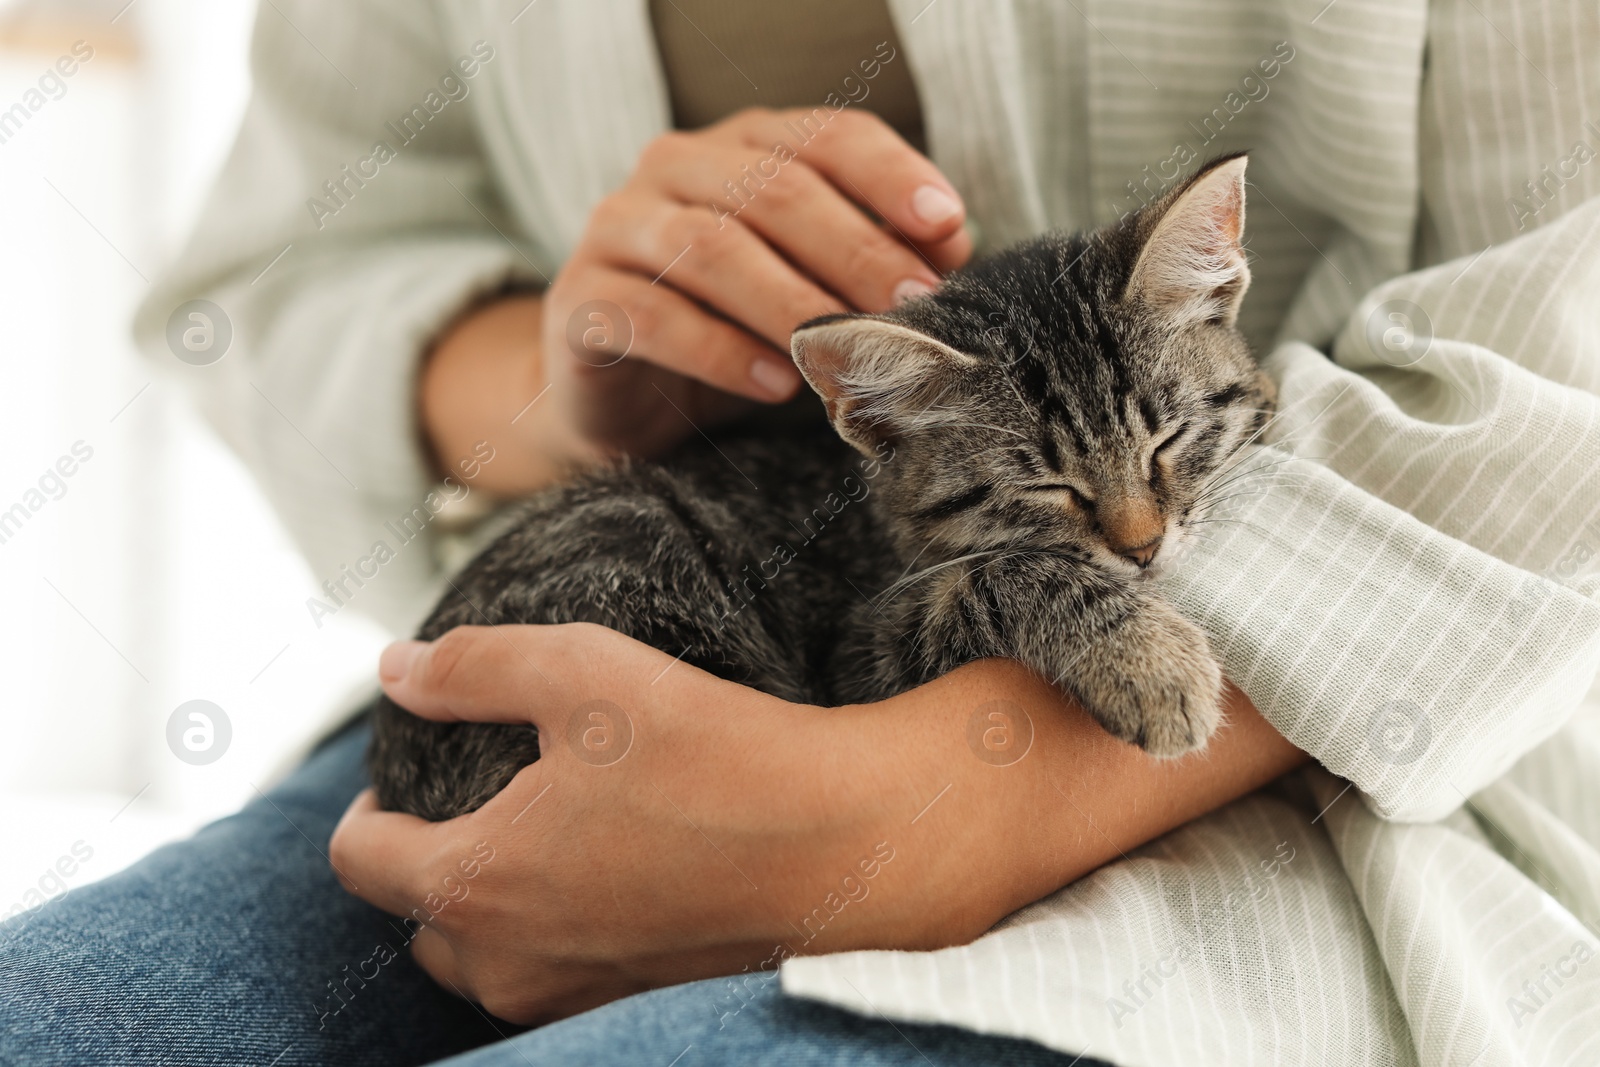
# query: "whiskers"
x,y
906,581
1243,476
1248,474
1247,461
990,557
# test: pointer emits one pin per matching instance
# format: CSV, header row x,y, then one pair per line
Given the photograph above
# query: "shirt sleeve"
x,y
354,219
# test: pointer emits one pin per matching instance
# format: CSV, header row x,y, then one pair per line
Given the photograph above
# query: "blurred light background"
x,y
155,574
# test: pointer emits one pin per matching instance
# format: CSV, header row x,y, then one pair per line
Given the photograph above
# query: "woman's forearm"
x,y
1076,800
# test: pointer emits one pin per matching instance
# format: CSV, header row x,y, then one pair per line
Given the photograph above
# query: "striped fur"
x,y
1030,442
1070,403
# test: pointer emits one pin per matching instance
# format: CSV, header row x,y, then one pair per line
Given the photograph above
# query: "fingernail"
x,y
776,378
911,287
933,204
396,661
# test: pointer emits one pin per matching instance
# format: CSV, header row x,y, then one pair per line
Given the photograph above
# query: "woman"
x,y
428,202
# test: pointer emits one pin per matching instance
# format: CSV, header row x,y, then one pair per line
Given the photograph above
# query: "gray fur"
x,y
1001,483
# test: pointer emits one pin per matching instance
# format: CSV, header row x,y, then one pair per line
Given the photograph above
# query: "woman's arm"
x,y
674,309
1077,800
719,828
480,375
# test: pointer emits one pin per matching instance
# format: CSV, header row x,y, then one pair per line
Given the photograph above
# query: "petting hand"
x,y
677,826
713,278
675,307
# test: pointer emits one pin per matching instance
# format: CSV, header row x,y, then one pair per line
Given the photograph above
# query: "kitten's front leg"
x,y
1149,678
1142,670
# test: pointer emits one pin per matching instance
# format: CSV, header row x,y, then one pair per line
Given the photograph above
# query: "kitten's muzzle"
x,y
1142,555
1133,528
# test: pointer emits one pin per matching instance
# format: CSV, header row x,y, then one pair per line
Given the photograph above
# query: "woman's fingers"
x,y
668,329
867,161
809,221
435,955
827,211
380,856
517,674
473,674
950,253
720,263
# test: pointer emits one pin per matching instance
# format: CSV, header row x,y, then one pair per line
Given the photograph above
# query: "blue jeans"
x,y
239,947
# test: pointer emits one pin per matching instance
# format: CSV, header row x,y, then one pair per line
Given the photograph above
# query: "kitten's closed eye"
x,y
1079,497
1163,450
1170,440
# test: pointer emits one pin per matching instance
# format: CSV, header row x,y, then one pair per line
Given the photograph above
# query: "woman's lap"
x,y
718,1023
238,946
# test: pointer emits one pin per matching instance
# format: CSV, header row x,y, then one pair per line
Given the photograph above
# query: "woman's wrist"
x,y
483,381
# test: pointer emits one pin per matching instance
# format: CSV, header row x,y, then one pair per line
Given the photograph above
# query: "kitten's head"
x,y
1074,393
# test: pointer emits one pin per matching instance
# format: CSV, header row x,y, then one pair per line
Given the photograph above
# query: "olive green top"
x,y
720,56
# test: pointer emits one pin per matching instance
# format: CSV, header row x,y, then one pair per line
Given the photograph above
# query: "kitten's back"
x,y
736,556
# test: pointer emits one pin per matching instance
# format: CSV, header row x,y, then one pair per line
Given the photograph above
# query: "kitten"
x,y
1011,457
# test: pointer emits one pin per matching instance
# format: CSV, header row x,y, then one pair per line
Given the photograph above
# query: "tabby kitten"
x,y
1011,458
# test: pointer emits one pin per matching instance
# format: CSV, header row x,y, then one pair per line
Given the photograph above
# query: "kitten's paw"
x,y
1154,683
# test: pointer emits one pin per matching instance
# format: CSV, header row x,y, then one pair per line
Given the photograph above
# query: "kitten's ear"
x,y
1191,263
878,378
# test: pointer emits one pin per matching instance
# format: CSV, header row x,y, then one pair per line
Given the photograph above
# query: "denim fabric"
x,y
238,947
709,1024
221,950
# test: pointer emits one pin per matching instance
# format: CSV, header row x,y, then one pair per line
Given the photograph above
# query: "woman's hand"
x,y
675,307
678,826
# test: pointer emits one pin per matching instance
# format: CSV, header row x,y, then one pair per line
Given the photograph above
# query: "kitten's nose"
x,y
1144,553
